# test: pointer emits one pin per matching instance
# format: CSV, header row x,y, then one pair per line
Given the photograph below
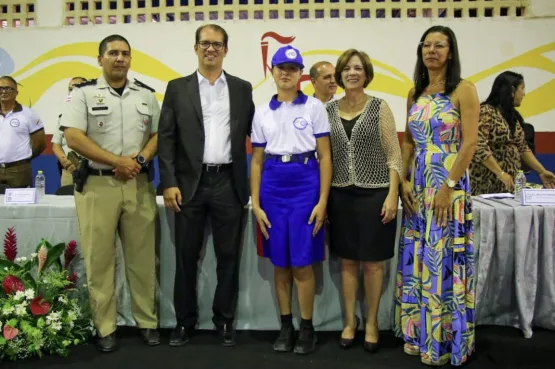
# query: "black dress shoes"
x,y
226,333
151,337
107,343
347,343
180,335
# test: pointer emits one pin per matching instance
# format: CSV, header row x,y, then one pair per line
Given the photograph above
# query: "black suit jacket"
x,y
181,135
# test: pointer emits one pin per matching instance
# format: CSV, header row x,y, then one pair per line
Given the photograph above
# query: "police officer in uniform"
x,y
59,144
113,122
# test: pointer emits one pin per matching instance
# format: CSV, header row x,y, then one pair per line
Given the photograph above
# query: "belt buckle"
x,y
286,158
209,167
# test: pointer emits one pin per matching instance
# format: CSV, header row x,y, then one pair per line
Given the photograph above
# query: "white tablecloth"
x,y
515,284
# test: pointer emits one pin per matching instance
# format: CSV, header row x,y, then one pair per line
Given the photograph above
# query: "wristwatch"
x,y
450,183
142,161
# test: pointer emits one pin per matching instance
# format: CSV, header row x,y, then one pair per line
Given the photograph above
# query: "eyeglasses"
x,y
7,89
206,45
435,45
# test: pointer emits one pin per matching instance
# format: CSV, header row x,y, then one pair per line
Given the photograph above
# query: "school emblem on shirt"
x,y
101,124
14,123
300,123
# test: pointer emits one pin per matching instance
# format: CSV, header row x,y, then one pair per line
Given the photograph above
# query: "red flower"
x,y
12,284
70,253
39,306
10,333
73,279
10,245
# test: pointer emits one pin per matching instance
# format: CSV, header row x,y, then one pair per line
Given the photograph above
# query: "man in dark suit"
x,y
204,122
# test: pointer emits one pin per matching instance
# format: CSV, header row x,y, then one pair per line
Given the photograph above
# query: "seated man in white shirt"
x,y
22,137
322,76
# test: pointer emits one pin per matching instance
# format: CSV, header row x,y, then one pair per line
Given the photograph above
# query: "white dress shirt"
x,y
214,100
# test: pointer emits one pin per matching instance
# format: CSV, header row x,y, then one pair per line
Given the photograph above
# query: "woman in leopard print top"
x,y
501,144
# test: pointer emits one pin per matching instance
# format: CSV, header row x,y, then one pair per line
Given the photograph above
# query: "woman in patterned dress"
x,y
434,295
502,147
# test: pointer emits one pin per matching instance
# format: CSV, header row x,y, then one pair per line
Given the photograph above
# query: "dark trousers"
x,y
215,198
17,176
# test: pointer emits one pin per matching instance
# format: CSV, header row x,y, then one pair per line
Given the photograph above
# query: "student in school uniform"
x,y
290,183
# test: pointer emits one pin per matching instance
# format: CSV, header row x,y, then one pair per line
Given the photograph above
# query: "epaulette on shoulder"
x,y
90,82
141,84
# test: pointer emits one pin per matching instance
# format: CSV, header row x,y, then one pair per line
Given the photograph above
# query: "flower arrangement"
x,y
40,309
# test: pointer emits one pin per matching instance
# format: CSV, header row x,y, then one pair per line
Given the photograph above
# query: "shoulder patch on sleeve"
x,y
141,84
90,82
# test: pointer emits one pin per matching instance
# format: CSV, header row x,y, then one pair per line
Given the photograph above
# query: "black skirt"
x,y
356,231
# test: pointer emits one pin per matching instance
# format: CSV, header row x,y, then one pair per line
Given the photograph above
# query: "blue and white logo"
x,y
300,123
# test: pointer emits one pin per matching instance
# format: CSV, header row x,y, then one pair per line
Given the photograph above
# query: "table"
x,y
515,283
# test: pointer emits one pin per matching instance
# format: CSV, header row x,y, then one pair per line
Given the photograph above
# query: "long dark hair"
x,y
502,97
453,74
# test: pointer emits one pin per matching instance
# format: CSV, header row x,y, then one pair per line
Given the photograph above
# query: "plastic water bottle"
x,y
40,184
520,183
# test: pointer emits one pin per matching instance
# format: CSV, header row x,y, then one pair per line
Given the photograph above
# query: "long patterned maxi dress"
x,y
434,294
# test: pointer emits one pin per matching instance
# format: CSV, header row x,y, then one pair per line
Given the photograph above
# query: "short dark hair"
x,y
104,43
344,60
453,72
214,27
314,69
8,78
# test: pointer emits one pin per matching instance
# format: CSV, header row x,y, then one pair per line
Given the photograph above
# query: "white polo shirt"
x,y
289,128
16,129
58,137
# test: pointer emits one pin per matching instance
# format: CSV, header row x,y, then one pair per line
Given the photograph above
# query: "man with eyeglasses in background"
x,y
202,157
22,137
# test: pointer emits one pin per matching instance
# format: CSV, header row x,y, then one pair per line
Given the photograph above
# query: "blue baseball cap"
x,y
288,54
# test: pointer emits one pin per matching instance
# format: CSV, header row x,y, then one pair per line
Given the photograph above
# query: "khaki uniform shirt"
x,y
121,125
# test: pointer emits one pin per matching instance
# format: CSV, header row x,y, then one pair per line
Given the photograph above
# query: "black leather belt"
x,y
293,158
14,163
216,168
108,172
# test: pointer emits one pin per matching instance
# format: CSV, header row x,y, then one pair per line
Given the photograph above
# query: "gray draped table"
x,y
515,284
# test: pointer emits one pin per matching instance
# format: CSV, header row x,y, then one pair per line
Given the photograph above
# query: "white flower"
x,y
85,285
34,255
20,310
53,318
19,295
71,316
6,269
62,299
29,294
7,310
17,260
23,258
56,326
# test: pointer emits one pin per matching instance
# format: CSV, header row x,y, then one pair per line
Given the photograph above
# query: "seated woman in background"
x,y
501,144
